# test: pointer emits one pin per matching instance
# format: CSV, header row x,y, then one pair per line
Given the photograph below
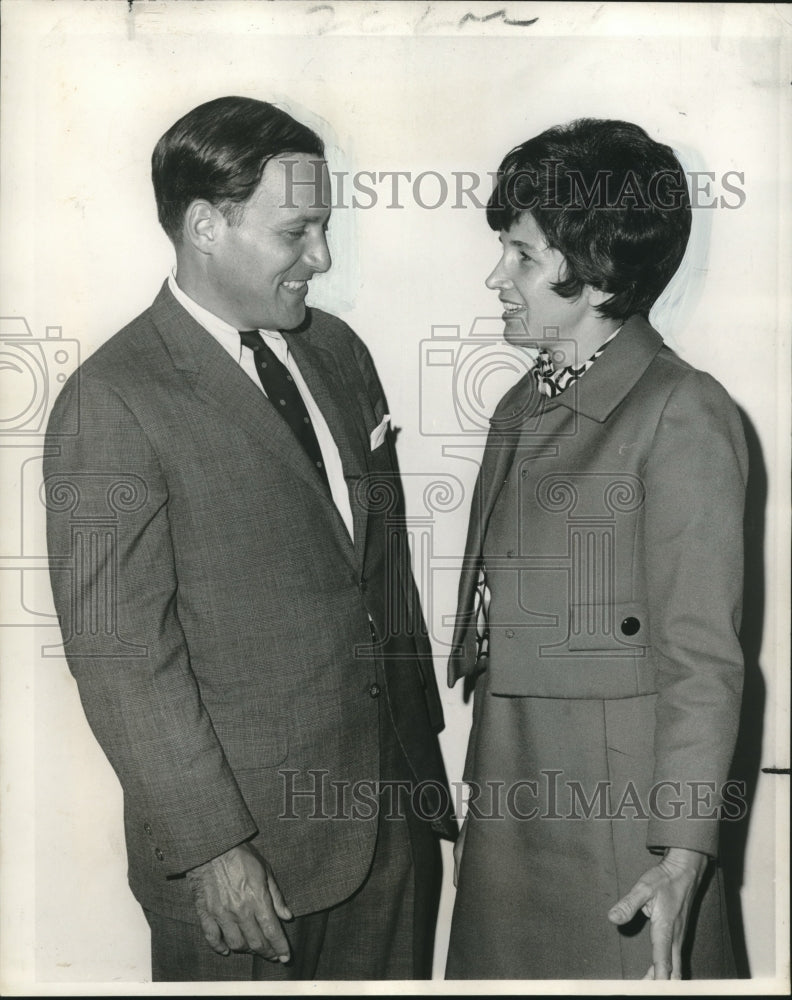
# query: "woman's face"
x,y
533,312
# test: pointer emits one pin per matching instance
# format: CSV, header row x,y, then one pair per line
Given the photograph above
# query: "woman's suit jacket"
x,y
624,575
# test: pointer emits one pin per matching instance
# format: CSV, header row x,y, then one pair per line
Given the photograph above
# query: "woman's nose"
x,y
498,278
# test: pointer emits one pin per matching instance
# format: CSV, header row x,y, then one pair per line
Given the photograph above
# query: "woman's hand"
x,y
459,847
665,893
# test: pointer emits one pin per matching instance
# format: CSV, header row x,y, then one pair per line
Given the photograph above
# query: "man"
x,y
262,683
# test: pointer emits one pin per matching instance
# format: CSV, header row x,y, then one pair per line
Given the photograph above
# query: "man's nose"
x,y
317,254
498,278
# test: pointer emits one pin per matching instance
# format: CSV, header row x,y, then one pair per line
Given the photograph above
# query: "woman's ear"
x,y
596,296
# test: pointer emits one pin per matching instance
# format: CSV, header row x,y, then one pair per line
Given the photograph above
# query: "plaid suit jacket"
x,y
216,614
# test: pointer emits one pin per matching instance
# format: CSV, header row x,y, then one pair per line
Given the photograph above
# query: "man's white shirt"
x,y
228,338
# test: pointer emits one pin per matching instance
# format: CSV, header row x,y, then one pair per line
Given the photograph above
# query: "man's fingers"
x,y
281,907
273,934
676,959
211,932
269,922
267,916
231,933
623,911
256,940
239,903
262,936
661,970
661,949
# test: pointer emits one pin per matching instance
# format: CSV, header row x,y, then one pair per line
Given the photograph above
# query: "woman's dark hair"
x,y
218,151
612,200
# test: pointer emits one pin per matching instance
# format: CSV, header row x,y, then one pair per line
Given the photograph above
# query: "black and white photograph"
x,y
395,447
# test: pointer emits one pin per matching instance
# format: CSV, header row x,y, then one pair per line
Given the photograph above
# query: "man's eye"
x,y
295,234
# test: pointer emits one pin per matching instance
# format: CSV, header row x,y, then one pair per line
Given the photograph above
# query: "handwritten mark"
x,y
498,14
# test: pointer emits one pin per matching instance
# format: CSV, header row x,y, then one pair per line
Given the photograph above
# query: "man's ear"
x,y
202,225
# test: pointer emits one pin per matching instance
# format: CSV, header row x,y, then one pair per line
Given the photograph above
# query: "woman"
x,y
607,527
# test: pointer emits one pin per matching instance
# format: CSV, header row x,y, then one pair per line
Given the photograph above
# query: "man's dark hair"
x,y
218,151
612,200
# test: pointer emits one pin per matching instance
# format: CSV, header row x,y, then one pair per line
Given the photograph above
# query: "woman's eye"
x,y
525,256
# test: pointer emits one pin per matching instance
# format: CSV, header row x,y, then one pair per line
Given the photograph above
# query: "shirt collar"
x,y
226,335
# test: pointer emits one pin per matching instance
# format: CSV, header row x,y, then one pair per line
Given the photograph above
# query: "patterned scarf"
x,y
551,382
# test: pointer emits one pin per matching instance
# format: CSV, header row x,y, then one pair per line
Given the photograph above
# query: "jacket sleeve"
x,y
695,491
115,586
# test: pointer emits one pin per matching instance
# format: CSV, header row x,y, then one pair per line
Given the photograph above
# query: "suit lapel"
x,y
317,369
223,385
596,395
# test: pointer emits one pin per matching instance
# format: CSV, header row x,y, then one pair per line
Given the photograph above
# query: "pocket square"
x,y
379,432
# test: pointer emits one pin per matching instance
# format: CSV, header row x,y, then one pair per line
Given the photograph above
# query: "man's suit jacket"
x,y
216,614
623,565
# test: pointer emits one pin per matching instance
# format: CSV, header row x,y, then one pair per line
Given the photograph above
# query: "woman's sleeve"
x,y
695,491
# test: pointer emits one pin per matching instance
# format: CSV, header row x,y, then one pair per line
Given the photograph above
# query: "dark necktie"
x,y
285,397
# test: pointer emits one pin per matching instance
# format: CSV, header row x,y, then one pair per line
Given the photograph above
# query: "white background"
x,y
87,90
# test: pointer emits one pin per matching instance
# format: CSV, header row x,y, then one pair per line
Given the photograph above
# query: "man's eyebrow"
x,y
305,215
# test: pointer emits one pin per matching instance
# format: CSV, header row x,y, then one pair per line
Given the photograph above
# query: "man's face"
x,y
260,269
523,278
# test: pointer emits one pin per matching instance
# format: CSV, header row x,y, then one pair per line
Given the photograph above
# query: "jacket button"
x,y
509,633
159,855
147,828
374,690
630,626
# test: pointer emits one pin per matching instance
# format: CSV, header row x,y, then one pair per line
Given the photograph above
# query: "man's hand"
x,y
459,847
240,905
665,894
